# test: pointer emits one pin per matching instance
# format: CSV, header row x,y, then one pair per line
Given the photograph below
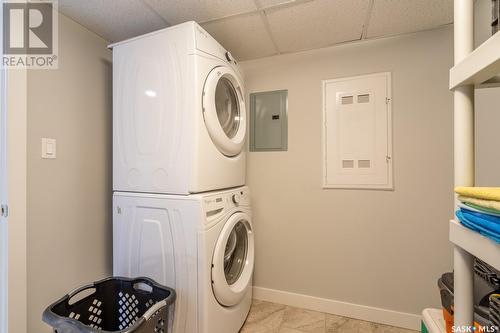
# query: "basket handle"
x,y
76,291
144,280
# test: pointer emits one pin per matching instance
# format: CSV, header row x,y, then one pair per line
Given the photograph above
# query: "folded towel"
x,y
490,204
488,226
479,209
485,193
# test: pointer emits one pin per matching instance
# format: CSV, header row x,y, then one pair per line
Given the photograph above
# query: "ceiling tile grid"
x,y
317,24
392,17
258,28
178,11
244,36
263,4
113,19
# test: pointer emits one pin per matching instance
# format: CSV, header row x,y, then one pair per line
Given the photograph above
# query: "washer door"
x,y
224,110
232,264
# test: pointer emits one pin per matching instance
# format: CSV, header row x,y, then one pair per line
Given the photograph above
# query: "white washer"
x,y
179,115
201,245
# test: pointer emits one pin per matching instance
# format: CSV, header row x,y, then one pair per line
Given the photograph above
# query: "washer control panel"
x,y
236,198
213,204
217,203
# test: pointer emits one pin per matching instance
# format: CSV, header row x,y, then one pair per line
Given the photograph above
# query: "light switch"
x,y
48,148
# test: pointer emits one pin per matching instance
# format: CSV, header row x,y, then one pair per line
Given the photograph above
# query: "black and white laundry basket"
x,y
114,304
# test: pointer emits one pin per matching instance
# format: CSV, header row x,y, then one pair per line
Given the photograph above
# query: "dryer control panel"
x,y
208,44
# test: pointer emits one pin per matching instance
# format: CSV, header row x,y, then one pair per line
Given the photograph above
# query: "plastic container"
x,y
495,15
432,321
495,310
445,284
489,275
482,289
114,304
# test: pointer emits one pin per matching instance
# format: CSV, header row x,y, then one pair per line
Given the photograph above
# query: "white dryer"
x,y
202,245
179,116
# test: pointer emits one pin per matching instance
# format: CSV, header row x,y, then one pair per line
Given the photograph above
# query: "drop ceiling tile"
x,y
245,36
114,20
392,17
272,3
316,24
178,11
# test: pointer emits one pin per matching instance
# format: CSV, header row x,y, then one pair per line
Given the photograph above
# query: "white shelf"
x,y
479,66
475,243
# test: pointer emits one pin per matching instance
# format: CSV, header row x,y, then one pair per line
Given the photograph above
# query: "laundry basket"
x,y
114,304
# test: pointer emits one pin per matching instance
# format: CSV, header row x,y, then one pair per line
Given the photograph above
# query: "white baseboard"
x,y
363,312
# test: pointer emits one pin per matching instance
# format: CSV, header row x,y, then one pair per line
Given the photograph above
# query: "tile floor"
x,y
268,317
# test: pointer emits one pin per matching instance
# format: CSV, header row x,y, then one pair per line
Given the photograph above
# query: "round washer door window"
x,y
224,111
233,260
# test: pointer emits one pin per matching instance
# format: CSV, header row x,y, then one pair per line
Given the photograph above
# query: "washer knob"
x,y
236,198
229,57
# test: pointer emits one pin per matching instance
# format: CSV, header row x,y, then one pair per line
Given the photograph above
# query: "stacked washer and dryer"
x,y
181,214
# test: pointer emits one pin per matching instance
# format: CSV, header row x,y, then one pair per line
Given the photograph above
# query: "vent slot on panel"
x,y
347,164
365,98
364,164
346,100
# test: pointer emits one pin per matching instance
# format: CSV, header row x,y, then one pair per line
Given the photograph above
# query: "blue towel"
x,y
487,225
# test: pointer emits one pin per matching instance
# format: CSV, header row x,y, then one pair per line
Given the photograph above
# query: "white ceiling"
x,y
258,28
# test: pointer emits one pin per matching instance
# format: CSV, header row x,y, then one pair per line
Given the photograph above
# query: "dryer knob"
x,y
229,57
236,198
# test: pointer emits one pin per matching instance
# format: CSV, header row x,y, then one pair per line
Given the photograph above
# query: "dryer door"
x,y
224,110
232,264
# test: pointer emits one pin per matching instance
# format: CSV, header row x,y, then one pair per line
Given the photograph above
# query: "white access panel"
x,y
357,133
150,238
148,119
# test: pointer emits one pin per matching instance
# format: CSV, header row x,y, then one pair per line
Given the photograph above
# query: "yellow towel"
x,y
491,204
485,193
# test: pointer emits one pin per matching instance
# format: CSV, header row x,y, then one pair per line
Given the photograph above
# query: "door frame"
x,y
15,101
4,235
16,114
4,239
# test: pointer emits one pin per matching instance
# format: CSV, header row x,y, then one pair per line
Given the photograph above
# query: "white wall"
x,y
69,198
487,110
487,114
384,249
